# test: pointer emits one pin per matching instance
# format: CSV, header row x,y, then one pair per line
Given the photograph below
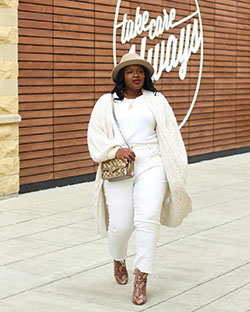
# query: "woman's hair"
x,y
120,84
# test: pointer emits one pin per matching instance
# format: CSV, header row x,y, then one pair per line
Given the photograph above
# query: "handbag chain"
x,y
117,123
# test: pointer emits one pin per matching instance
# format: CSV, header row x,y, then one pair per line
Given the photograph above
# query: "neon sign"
x,y
170,53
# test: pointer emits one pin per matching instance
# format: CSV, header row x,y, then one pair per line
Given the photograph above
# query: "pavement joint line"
x,y
58,279
217,299
43,231
202,231
218,188
51,252
219,203
35,218
198,285
100,238
17,223
13,210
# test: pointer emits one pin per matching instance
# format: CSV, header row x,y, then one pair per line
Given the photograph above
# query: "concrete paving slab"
x,y
211,174
64,262
206,219
219,195
74,193
216,175
69,234
16,281
207,293
17,216
43,224
209,255
219,214
25,229
244,186
34,301
9,218
170,307
17,250
89,290
236,301
230,235
69,217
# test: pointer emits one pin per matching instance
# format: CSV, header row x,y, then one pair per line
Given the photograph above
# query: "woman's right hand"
x,y
125,154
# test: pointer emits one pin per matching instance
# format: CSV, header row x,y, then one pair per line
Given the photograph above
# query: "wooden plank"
x,y
74,172
36,162
71,158
36,178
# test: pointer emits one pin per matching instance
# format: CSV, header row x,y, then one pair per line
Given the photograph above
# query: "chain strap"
x,y
117,123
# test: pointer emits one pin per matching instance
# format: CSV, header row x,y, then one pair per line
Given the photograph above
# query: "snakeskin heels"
x,y
120,272
140,283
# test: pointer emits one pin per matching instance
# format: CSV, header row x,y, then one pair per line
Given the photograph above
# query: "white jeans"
x,y
136,203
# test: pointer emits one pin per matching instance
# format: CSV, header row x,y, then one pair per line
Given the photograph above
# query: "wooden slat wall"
x,y
36,91
242,122
73,85
221,118
65,60
56,88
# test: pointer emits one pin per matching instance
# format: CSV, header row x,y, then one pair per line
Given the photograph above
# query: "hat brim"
x,y
120,66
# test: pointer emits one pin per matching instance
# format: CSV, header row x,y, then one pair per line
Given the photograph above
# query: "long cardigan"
x,y
102,146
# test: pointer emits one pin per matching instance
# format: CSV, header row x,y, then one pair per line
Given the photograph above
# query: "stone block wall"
x,y
9,117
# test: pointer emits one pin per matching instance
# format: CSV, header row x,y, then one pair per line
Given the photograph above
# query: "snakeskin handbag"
x,y
116,169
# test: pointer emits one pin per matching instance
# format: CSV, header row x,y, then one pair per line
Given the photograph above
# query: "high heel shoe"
x,y
140,282
120,272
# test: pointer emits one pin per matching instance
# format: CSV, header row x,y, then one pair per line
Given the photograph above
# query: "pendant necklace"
x,y
132,102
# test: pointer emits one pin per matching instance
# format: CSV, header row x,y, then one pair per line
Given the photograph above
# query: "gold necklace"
x,y
131,104
134,98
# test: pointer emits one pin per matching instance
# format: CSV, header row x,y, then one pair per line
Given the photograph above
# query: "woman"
x,y
156,193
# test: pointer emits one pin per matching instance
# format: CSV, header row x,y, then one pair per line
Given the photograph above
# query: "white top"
x,y
136,121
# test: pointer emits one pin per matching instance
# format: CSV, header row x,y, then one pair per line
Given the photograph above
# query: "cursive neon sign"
x,y
170,53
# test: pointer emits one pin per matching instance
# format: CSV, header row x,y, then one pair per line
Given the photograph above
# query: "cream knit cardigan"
x,y
102,146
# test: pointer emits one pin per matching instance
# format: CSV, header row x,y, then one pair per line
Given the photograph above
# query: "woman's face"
x,y
134,77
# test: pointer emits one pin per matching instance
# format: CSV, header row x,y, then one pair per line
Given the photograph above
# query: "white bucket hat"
x,y
131,59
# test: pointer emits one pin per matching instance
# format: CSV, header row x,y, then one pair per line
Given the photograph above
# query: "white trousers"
x,y
135,204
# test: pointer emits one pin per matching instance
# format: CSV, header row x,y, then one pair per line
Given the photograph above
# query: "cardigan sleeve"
x,y
101,147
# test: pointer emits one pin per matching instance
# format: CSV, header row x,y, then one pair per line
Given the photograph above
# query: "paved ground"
x,y
51,260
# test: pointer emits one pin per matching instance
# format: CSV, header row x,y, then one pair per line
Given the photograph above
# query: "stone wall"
x,y
9,117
